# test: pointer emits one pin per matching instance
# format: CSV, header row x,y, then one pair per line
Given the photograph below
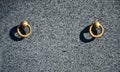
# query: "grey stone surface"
x,y
55,44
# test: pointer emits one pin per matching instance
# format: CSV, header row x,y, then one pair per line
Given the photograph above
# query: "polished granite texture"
x,y
60,41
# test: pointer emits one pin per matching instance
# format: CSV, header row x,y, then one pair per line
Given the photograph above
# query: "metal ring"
x,y
96,25
24,24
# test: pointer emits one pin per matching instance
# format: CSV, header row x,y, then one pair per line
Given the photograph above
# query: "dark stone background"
x,y
60,41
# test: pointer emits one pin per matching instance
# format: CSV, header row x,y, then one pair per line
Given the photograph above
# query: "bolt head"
x,y
96,24
24,24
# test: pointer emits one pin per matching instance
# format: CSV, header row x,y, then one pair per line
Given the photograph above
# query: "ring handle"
x,y
24,24
96,25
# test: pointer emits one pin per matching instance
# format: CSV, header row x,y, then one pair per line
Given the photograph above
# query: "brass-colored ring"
x,y
24,24
96,25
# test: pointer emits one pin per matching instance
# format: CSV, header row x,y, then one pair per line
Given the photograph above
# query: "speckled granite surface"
x,y
56,44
